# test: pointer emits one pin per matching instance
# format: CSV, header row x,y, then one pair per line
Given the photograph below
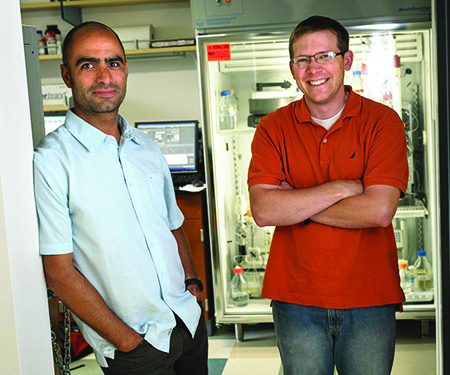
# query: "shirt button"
x,y
130,185
162,274
325,140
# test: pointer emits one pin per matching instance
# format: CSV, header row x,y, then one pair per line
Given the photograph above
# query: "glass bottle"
x,y
405,278
357,83
52,47
239,288
41,43
423,273
227,110
58,38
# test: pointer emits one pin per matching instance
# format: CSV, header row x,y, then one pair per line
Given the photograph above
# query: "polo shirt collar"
x,y
351,109
91,137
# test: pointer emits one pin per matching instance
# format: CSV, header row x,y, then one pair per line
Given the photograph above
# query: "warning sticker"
x,y
218,52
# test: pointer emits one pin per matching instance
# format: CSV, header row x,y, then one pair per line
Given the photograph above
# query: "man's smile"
x,y
319,82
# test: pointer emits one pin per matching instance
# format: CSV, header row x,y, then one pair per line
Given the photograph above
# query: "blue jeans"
x,y
311,340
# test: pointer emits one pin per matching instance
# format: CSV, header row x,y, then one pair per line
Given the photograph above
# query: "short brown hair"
x,y
319,23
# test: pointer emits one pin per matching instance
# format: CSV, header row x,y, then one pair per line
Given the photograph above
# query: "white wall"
x,y
25,346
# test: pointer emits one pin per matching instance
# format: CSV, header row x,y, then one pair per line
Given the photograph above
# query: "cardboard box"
x,y
135,37
56,95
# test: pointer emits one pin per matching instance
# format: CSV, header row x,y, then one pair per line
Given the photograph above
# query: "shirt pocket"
x,y
156,189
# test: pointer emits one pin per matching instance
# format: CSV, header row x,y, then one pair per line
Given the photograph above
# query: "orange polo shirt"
x,y
320,265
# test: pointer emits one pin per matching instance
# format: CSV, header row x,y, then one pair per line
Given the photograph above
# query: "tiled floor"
x,y
258,353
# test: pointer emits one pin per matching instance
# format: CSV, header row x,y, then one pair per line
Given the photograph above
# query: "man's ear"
x,y
348,60
65,74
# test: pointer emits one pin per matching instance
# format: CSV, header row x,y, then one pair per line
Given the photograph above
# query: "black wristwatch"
x,y
194,281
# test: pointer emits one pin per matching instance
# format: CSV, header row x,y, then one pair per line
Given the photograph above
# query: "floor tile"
x,y
220,348
216,366
85,367
255,349
247,366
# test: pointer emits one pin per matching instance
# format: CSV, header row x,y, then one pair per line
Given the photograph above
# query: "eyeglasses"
x,y
322,58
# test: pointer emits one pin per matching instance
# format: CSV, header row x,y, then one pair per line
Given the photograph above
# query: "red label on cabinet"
x,y
218,52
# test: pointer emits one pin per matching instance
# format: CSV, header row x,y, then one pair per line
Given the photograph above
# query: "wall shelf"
x,y
54,5
133,53
55,108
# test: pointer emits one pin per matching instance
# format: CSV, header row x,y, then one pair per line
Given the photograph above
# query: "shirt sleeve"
x,y
387,162
266,164
55,226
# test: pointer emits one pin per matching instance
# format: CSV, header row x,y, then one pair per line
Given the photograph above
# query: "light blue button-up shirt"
x,y
114,207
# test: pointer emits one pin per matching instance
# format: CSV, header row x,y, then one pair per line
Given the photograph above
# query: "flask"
x,y
239,288
227,110
423,273
405,278
41,42
357,83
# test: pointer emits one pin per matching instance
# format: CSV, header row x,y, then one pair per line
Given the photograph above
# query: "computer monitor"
x,y
178,141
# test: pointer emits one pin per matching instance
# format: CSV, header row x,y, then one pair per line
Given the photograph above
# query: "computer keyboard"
x,y
181,179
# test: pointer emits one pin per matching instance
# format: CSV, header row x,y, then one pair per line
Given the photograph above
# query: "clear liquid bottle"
x,y
423,273
357,83
227,110
405,278
240,293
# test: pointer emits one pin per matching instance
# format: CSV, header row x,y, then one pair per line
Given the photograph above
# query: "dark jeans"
x,y
187,355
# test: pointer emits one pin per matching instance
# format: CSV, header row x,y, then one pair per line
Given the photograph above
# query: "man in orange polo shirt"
x,y
328,172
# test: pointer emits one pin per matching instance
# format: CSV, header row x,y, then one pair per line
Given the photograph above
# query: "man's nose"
x,y
313,65
104,75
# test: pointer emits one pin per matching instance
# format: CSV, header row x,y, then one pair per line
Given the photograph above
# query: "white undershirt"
x,y
329,122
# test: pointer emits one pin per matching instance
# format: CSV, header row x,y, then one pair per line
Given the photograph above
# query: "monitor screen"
x,y
178,141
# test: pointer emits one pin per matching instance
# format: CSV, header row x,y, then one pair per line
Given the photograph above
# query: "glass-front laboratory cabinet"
x,y
252,71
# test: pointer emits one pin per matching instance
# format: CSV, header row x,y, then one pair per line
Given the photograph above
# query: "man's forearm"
x,y
374,208
282,205
86,303
185,253
186,261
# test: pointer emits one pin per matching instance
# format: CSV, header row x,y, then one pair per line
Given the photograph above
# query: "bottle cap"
x,y
421,253
226,92
238,269
403,264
